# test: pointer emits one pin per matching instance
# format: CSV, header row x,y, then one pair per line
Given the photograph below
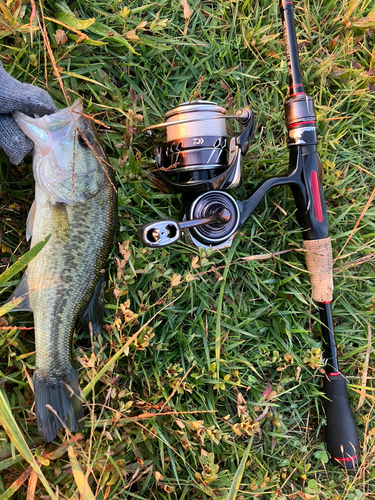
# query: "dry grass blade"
x,y
363,393
31,487
6,308
16,485
11,428
82,36
353,4
32,17
79,477
264,256
365,22
359,261
366,364
357,223
63,448
180,382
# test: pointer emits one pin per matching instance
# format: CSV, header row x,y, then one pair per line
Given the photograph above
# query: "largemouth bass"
x,y
76,203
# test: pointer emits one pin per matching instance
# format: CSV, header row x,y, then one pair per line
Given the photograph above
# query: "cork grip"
x,y
318,257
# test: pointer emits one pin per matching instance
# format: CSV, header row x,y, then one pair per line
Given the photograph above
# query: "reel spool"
x,y
196,150
199,161
195,157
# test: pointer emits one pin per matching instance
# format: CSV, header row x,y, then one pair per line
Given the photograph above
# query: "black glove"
x,y
27,99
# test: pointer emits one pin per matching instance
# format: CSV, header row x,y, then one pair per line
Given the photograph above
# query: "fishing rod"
x,y
341,432
199,162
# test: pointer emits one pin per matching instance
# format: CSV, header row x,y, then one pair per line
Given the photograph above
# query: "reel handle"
x,y
165,232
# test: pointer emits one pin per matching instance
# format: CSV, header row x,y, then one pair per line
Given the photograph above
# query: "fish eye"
x,y
85,139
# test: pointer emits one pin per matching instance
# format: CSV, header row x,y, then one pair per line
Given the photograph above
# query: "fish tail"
x,y
57,403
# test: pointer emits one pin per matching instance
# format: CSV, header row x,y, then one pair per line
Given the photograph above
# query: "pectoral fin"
x,y
93,312
21,292
30,221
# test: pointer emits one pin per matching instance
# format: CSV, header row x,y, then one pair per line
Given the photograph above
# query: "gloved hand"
x,y
21,97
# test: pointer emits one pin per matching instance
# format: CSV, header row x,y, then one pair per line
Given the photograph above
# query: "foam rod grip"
x,y
341,432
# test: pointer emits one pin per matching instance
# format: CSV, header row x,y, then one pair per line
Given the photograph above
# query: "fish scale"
x,y
76,203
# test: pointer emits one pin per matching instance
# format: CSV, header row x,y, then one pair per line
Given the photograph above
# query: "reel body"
x,y
199,161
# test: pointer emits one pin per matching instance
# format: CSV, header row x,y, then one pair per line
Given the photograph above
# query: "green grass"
x,y
250,322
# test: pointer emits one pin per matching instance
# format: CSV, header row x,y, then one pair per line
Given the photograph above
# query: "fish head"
x,y
68,163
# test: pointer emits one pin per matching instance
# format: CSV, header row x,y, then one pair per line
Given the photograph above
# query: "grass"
x,y
201,353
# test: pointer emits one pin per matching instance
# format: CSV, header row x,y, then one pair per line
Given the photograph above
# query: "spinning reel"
x,y
199,162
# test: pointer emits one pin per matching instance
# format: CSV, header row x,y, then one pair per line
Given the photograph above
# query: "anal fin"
x,y
93,311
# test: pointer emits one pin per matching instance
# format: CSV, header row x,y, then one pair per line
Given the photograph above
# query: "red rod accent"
x,y
316,195
296,85
334,374
347,459
300,123
326,302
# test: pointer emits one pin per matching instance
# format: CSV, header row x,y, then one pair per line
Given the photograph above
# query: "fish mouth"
x,y
37,128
